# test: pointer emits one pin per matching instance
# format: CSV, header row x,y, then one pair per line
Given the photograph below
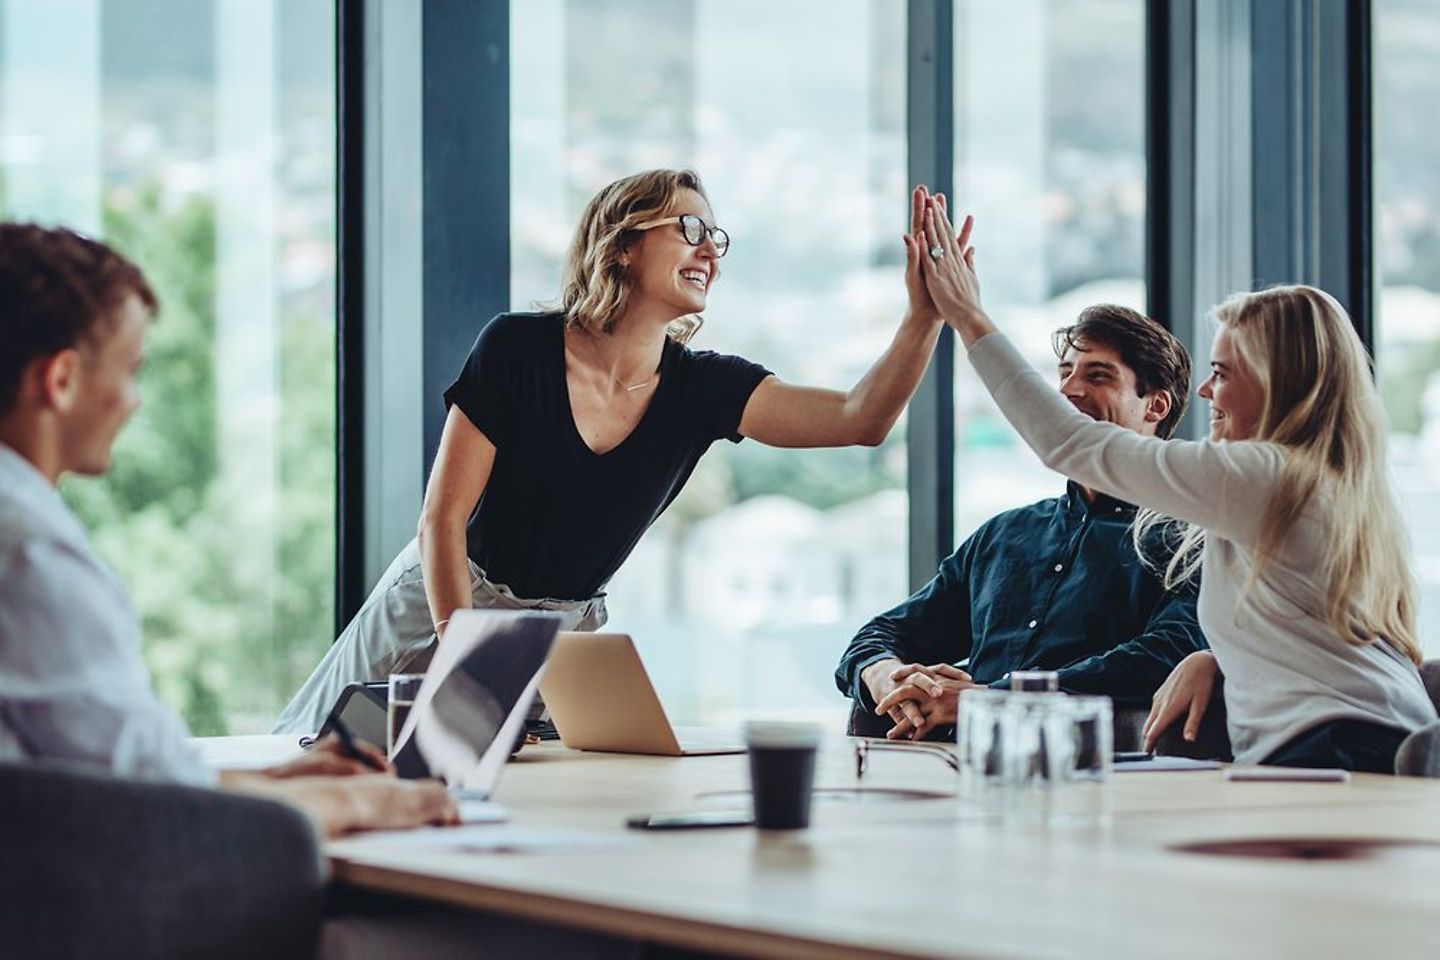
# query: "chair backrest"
x,y
1419,753
96,866
1430,675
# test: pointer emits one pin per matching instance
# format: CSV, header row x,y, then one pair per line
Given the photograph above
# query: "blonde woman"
x,y
569,432
1306,595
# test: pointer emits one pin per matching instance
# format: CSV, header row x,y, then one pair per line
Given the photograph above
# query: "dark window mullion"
x,y
930,140
350,311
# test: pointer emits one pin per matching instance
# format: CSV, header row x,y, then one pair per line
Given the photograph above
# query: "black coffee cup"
x,y
782,772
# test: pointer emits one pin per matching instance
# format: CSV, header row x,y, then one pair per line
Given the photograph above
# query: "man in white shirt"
x,y
73,317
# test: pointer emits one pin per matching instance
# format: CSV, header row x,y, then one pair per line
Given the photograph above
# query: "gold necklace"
x,y
632,387
629,387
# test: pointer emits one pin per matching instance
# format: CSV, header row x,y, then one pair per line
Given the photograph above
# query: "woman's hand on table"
x,y
1186,692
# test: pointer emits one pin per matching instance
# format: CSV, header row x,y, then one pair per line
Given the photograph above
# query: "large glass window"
x,y
198,137
1050,158
745,592
1407,248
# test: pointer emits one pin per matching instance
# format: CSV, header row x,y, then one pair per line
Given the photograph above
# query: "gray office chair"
x,y
1419,754
96,866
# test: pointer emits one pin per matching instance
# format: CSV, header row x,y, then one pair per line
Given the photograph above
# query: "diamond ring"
x,y
937,252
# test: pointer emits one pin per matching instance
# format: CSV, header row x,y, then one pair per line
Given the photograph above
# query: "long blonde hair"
x,y
593,288
1321,406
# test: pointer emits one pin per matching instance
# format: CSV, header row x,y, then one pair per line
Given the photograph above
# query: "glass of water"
x,y
403,689
981,741
1035,681
1086,727
1009,742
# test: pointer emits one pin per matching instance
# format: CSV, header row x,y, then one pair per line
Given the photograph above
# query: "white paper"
x,y
1155,764
498,839
1283,774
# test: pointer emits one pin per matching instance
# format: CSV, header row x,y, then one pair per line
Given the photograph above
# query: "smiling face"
x,y
1103,388
1236,398
103,393
667,273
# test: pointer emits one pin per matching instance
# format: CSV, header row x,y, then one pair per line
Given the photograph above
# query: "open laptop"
x,y
601,698
472,704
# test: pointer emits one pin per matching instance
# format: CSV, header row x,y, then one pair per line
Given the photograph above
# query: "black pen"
x,y
347,745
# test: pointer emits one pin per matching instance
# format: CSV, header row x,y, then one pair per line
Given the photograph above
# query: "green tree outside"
x,y
163,517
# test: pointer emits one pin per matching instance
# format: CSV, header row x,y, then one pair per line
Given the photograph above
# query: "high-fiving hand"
x,y
948,267
922,306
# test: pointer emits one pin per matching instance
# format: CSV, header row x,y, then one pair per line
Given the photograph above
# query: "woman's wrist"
x,y
921,319
972,325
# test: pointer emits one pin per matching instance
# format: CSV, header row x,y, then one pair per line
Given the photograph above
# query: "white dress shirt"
x,y
72,683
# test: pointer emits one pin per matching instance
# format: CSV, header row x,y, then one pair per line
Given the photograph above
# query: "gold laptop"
x,y
600,698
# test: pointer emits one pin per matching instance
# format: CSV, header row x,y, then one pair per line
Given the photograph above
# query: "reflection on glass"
x,y
1407,247
1051,161
745,592
198,138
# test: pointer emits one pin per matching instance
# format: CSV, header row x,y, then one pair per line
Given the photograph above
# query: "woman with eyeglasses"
x,y
1286,513
570,431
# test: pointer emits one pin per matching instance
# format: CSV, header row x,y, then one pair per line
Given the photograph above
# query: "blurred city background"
x,y
199,137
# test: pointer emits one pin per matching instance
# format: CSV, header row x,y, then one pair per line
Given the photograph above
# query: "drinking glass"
x,y
1010,742
1090,740
1034,681
403,689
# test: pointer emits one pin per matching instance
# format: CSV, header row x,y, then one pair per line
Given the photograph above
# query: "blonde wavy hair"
x,y
593,289
1321,406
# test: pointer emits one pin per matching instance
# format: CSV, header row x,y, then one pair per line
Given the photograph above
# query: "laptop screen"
x,y
472,704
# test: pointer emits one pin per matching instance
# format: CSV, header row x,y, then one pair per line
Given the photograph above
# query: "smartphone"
x,y
1132,756
691,819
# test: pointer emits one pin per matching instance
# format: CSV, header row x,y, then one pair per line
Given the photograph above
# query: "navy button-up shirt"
x,y
1052,586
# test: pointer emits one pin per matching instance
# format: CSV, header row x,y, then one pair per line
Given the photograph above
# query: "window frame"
x,y
1241,189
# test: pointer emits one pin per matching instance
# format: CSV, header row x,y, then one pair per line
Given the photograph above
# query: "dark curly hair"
x,y
1159,361
57,290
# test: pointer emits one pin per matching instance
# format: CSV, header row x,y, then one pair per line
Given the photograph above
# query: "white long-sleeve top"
x,y
72,683
1286,669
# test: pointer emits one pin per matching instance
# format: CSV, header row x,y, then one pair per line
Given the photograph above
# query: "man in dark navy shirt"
x,y
1056,585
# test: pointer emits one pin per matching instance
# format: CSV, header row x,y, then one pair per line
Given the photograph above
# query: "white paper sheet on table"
x,y
500,839
1154,764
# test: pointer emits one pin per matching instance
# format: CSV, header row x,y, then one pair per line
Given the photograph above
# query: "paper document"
x,y
482,839
1156,764
481,811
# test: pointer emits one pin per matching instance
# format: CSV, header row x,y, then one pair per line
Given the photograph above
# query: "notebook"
x,y
601,698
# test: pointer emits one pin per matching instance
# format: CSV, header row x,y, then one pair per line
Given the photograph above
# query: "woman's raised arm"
x,y
783,414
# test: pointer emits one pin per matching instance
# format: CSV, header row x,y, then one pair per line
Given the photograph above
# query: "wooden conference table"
x,y
1095,872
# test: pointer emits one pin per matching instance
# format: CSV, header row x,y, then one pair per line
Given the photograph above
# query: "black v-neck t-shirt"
x,y
557,519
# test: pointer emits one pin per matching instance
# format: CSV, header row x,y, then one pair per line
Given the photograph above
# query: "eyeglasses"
x,y
694,231
939,751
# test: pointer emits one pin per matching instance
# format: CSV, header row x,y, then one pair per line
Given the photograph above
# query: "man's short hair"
x,y
57,289
1158,360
